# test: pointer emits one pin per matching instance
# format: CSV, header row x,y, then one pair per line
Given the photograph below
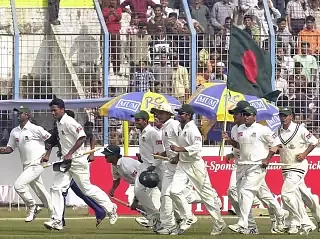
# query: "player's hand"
x,y
229,157
225,136
111,193
44,159
175,160
67,157
265,163
91,158
139,157
301,157
175,148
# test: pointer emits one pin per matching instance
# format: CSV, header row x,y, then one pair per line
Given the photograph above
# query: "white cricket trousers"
x,y
309,200
264,195
79,171
31,175
249,181
197,173
168,210
149,198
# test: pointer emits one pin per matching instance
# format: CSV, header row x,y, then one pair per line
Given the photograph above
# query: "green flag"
x,y
250,70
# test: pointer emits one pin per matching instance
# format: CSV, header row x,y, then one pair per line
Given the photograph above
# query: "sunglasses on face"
x,y
246,114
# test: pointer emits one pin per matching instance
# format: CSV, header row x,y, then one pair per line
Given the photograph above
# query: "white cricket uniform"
x,y
295,140
150,142
30,142
192,167
254,144
170,137
264,193
69,132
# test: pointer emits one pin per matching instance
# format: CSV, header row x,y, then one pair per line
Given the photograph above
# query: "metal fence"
x,y
68,61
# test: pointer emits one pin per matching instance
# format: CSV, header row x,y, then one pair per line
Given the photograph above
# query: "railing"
x,y
82,59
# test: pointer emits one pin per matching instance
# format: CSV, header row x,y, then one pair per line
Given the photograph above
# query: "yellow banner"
x,y
44,3
5,4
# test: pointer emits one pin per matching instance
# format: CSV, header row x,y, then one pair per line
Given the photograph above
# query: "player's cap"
x,y
22,109
141,115
239,107
186,108
249,109
111,150
162,107
285,111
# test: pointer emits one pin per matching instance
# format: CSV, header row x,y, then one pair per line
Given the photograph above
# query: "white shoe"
x,y
32,213
237,228
280,224
306,229
218,231
113,216
274,229
53,224
167,231
293,230
142,221
185,225
253,231
194,219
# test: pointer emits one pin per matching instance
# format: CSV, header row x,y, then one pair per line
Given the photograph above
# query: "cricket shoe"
x,y
157,226
239,229
274,228
32,213
218,231
280,223
306,229
53,224
253,231
142,221
168,231
185,225
113,216
293,230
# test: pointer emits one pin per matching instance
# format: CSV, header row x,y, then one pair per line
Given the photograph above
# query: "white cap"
x,y
220,64
163,107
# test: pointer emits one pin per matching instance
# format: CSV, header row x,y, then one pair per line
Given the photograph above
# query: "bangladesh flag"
x,y
250,68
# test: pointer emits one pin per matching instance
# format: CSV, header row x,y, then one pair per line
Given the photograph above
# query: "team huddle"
x,y
170,174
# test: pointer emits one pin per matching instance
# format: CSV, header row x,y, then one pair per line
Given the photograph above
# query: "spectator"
x,y
220,12
251,29
223,37
143,80
308,62
246,5
298,79
314,11
160,45
310,35
137,6
173,27
163,75
180,81
202,14
281,84
199,29
157,20
284,36
165,10
280,5
219,72
284,62
139,50
126,34
53,9
296,15
133,28
112,16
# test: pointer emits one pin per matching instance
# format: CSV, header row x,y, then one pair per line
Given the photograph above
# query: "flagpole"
x,y
224,125
125,125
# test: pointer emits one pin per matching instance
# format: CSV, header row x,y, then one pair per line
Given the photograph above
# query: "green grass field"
x,y
84,227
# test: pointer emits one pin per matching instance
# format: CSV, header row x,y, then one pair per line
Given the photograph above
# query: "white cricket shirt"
x,y
69,132
30,142
191,139
297,145
235,151
150,142
170,135
255,142
127,169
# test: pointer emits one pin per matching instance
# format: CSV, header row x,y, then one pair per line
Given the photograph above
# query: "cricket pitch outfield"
x,y
80,225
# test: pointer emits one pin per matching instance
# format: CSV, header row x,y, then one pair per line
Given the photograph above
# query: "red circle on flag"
x,y
249,62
